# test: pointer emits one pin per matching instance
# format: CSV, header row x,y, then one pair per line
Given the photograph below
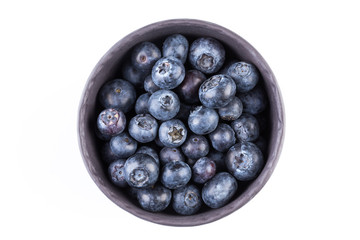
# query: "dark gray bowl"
x,y
108,68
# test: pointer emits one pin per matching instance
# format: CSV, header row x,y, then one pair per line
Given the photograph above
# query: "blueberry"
x,y
175,174
111,122
133,75
172,133
118,94
222,138
245,75
254,101
107,155
219,190
170,155
116,173
123,145
207,55
187,200
217,91
232,110
188,90
144,55
176,46
195,147
246,128
168,73
203,170
149,85
203,120
155,199
244,161
218,158
141,105
141,170
164,105
149,151
143,128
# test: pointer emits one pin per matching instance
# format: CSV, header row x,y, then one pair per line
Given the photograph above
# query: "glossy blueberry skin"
x,y
217,91
118,94
203,170
164,105
203,120
133,75
219,190
244,161
176,46
149,85
247,128
254,101
144,55
117,174
111,122
149,151
175,174
107,155
222,138
141,170
206,55
172,133
231,111
187,200
168,73
245,75
188,90
218,158
143,128
123,145
170,155
155,199
195,146
141,105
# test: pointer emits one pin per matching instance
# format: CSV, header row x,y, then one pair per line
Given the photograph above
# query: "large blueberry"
x,y
141,170
118,94
155,199
176,46
219,190
187,200
245,75
195,146
207,55
175,174
133,75
144,55
203,170
149,85
188,90
170,155
143,128
244,161
168,73
141,105
123,145
111,122
149,151
164,105
217,91
246,128
222,138
254,101
172,133
232,110
117,174
203,120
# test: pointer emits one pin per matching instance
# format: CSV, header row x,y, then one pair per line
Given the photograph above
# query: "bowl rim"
x,y
277,135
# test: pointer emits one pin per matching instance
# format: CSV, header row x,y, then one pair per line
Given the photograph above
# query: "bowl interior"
x,y
108,69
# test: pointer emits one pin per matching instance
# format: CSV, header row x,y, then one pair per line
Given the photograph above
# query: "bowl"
x,y
108,68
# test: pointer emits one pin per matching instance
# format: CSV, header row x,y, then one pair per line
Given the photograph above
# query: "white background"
x,y
49,48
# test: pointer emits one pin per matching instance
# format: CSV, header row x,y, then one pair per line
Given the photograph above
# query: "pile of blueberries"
x,y
183,126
